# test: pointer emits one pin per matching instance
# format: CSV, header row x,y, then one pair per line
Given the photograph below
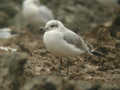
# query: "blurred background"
x,y
25,64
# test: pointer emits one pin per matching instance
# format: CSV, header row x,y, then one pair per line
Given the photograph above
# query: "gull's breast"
x,y
55,43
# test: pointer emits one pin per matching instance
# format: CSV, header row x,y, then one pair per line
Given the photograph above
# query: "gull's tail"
x,y
89,48
97,53
92,51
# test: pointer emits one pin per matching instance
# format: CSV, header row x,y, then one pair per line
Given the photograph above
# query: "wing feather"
x,y
76,40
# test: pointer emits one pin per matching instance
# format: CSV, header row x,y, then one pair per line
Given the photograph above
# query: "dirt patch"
x,y
84,67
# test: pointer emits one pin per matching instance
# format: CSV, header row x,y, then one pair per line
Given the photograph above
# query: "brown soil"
x,y
84,67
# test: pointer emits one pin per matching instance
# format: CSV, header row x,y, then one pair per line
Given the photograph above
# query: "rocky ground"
x,y
32,67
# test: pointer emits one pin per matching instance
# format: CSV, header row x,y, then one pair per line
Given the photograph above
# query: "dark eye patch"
x,y
54,25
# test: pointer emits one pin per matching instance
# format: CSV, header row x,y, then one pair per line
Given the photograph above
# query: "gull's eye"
x,y
54,25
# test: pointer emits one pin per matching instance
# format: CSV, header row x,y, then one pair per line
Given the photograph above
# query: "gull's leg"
x,y
68,65
60,65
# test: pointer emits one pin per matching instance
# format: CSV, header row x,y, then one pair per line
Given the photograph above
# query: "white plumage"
x,y
62,41
36,14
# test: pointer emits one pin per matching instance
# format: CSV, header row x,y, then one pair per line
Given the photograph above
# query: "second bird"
x,y
36,14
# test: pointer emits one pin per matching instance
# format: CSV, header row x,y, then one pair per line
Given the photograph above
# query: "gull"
x,y
62,41
36,14
6,33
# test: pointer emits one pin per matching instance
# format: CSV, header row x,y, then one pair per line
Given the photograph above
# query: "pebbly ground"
x,y
32,67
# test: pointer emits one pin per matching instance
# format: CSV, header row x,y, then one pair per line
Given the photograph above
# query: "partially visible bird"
x,y
36,14
61,41
6,33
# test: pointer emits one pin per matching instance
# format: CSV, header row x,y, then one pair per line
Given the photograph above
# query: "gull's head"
x,y
32,2
53,24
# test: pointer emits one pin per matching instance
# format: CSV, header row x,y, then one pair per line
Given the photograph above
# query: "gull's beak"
x,y
41,30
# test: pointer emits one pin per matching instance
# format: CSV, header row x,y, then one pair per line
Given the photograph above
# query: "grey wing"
x,y
45,13
74,39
